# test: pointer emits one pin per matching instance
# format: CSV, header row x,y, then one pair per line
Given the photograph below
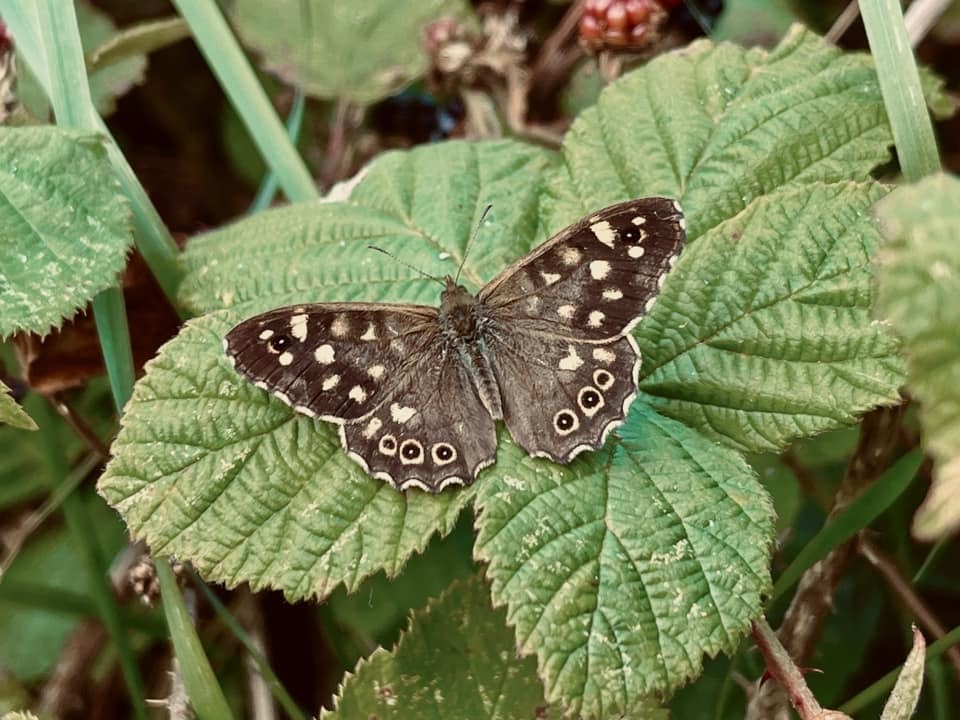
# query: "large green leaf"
x,y
763,333
920,294
361,51
64,225
621,570
211,469
456,660
760,147
717,126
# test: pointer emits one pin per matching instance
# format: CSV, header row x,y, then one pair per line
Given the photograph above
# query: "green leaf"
x,y
621,570
717,126
456,660
138,41
360,51
66,227
919,279
763,333
903,700
11,413
213,470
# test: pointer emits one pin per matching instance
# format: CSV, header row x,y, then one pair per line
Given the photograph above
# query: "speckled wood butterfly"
x,y
545,346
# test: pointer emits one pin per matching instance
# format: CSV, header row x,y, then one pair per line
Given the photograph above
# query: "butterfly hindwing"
x,y
332,361
580,391
595,279
431,433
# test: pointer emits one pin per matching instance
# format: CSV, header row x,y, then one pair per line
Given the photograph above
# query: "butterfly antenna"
x,y
476,232
405,264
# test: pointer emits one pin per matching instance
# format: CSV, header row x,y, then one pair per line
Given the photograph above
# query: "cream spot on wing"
x,y
282,396
595,319
372,427
398,347
639,220
635,251
570,256
370,333
324,354
533,303
401,414
357,394
339,327
570,361
603,355
298,327
650,303
285,358
376,371
266,334
612,294
605,233
566,311
550,278
599,269
331,382
304,410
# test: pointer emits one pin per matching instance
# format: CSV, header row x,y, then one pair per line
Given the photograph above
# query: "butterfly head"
x,y
458,308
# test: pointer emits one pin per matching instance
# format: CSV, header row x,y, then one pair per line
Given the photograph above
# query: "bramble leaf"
x,y
66,226
748,328
763,332
623,569
919,289
456,660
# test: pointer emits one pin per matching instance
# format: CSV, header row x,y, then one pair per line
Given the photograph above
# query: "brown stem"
x,y
333,163
782,668
79,425
902,588
813,601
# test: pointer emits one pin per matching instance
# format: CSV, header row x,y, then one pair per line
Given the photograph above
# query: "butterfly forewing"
x,y
595,279
330,361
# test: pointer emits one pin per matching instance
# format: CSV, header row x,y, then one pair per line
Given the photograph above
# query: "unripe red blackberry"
x,y
625,24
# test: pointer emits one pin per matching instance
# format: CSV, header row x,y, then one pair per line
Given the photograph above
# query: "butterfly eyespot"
x,y
388,445
278,343
602,379
590,400
443,453
565,422
411,452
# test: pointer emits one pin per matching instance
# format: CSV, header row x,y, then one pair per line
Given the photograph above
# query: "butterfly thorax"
x,y
462,324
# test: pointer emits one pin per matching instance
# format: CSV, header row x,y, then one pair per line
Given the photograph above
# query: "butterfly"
x,y
545,347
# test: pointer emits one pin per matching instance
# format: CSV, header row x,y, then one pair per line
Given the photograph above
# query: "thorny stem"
x,y
813,601
782,668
